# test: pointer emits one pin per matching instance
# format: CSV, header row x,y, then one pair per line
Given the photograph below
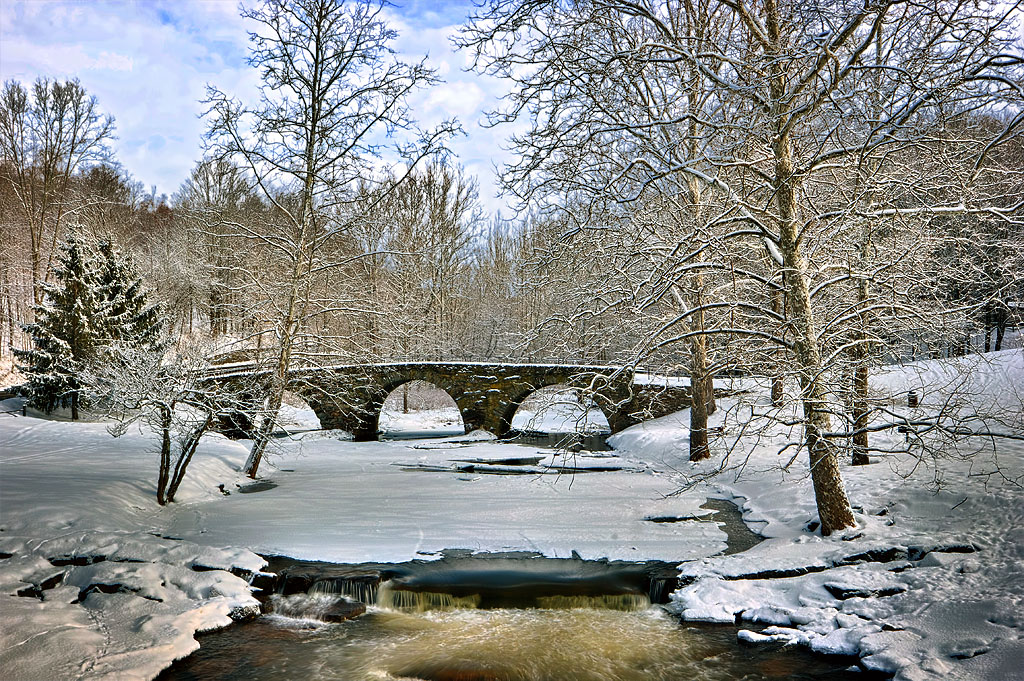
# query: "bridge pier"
x,y
359,421
472,417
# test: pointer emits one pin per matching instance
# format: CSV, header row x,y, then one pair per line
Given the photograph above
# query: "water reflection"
x,y
570,442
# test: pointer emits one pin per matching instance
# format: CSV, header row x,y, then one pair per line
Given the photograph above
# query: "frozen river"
x,y
392,501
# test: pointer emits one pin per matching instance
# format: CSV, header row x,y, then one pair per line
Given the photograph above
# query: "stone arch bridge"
x,y
351,397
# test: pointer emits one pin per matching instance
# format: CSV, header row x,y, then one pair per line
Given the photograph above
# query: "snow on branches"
x,y
96,299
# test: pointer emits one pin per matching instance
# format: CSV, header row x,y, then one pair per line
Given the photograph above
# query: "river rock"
x,y
343,609
245,613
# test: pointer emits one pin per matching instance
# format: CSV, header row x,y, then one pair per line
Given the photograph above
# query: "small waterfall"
x,y
392,597
360,588
338,592
623,602
422,601
661,587
333,601
324,608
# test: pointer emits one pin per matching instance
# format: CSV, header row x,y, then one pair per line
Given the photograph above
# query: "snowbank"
x,y
930,584
426,422
91,589
559,414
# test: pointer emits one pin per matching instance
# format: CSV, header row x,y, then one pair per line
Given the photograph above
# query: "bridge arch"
x,y
558,408
418,408
297,414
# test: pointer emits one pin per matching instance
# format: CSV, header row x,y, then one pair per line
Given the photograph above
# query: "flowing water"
x,y
495,645
491,617
592,442
451,620
497,618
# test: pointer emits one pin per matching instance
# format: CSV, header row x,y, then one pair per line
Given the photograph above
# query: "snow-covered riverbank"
x,y
91,587
898,590
930,584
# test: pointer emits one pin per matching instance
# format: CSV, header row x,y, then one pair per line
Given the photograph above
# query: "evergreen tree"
x,y
64,334
97,299
124,311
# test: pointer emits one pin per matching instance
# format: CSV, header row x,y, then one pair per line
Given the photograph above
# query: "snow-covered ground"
x,y
69,493
895,590
930,584
70,490
559,415
439,422
397,500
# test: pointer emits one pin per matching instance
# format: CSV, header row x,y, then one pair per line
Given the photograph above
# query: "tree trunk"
x,y
263,434
988,327
709,391
829,493
701,390
698,422
37,265
701,408
287,333
778,385
188,449
165,456
860,416
290,323
860,377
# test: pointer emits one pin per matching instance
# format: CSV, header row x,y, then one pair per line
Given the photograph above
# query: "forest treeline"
x,y
426,274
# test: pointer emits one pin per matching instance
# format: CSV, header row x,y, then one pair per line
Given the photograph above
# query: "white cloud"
x,y
148,64
109,61
460,98
463,94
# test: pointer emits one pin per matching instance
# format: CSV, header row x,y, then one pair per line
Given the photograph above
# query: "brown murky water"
x,y
576,644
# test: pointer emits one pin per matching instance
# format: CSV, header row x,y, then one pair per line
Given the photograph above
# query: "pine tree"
x,y
64,334
96,300
124,311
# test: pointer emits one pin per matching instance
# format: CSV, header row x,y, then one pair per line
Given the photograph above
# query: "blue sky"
x,y
148,63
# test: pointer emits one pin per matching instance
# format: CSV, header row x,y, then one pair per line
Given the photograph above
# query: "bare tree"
x,y
47,133
166,392
217,197
107,203
783,112
416,244
332,95
617,101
